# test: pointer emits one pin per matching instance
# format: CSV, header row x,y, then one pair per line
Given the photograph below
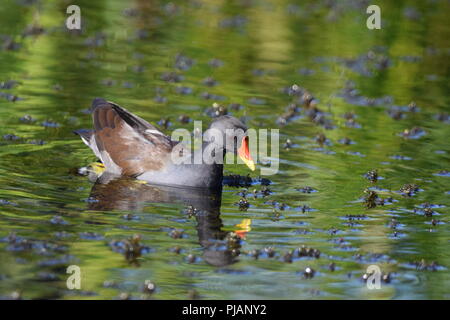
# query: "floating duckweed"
x,y
372,175
309,273
409,189
243,204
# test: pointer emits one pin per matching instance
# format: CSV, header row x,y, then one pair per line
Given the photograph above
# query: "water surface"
x,y
162,60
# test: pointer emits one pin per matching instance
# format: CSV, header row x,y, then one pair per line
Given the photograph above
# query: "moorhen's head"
x,y
230,133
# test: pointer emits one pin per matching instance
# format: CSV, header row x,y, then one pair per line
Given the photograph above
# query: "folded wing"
x,y
125,143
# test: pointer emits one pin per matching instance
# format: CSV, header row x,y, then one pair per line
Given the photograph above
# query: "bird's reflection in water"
x,y
132,195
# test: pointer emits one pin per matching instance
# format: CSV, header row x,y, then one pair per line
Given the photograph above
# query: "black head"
x,y
233,139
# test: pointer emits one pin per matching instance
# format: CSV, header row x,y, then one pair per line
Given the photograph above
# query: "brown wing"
x,y
128,144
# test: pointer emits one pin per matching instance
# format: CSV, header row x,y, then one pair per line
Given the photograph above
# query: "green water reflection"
x,y
253,49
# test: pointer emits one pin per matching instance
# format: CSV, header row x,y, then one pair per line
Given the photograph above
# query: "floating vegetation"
x,y
371,199
409,189
306,190
309,273
243,204
176,234
216,110
270,252
288,257
442,173
372,175
131,248
304,251
385,277
423,265
346,141
413,133
58,220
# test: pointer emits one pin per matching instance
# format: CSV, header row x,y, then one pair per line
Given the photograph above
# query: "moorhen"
x,y
130,146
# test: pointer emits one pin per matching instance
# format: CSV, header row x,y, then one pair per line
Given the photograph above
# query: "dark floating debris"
x,y
9,84
17,243
346,141
10,137
58,220
372,175
255,254
130,217
368,64
190,211
38,142
209,81
176,234
27,119
309,273
304,251
442,173
291,113
371,199
131,248
270,252
160,99
9,44
352,217
396,113
306,189
172,77
184,119
243,204
191,258
413,133
305,208
10,97
409,189
288,144
288,257
443,117
233,240
216,110
352,96
321,139
423,265
50,124
183,62
165,123
385,277
148,287
176,249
